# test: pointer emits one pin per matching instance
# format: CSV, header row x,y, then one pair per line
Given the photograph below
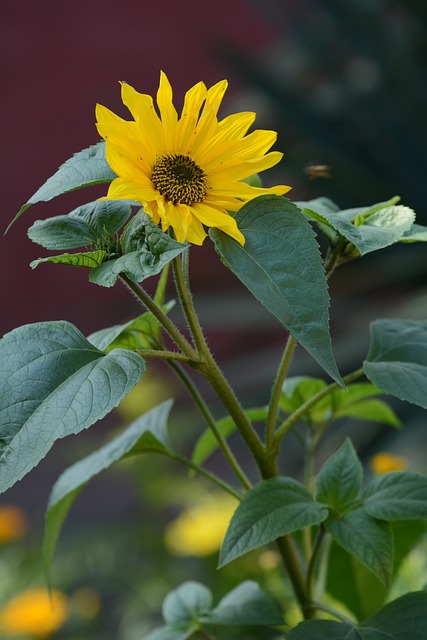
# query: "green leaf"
x,y
89,259
352,403
401,495
402,619
298,389
273,508
366,538
134,334
416,233
339,480
186,604
86,225
85,168
245,605
147,251
170,633
350,582
397,359
281,266
53,382
146,434
207,444
383,224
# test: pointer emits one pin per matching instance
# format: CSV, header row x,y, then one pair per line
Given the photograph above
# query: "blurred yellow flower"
x,y
35,613
186,170
13,523
199,530
385,462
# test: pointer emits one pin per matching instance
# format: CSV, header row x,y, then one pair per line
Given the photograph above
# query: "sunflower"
x,y
186,170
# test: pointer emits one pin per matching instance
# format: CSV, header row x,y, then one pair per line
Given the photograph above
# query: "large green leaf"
x,y
245,605
85,168
401,495
53,383
402,619
89,224
339,480
368,539
397,359
147,251
376,227
281,266
273,508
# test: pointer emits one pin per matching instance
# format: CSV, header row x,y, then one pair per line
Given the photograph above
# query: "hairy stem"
x,y
205,411
164,320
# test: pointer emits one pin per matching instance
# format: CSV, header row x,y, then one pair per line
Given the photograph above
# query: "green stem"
x,y
332,261
290,559
213,374
166,322
308,404
204,472
205,411
277,390
332,612
310,581
163,355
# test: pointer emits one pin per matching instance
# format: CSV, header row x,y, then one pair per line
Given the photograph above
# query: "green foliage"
x,y
401,495
367,228
397,359
53,383
273,508
188,609
88,259
147,251
146,434
207,444
281,266
339,480
342,403
85,168
87,225
402,619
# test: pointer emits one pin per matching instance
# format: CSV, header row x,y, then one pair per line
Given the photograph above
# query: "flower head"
x,y
35,612
186,170
198,530
13,523
385,462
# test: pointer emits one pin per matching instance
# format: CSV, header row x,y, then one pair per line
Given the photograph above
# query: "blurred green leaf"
x,y
186,604
352,403
298,389
271,509
281,266
207,444
402,619
397,359
147,434
245,605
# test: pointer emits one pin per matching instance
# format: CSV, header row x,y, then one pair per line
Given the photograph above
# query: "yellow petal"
x,y
121,189
179,217
213,218
167,111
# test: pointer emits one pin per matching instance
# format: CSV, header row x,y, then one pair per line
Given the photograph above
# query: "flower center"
x,y
179,179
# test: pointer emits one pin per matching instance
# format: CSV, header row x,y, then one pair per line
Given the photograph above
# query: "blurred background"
x,y
344,82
